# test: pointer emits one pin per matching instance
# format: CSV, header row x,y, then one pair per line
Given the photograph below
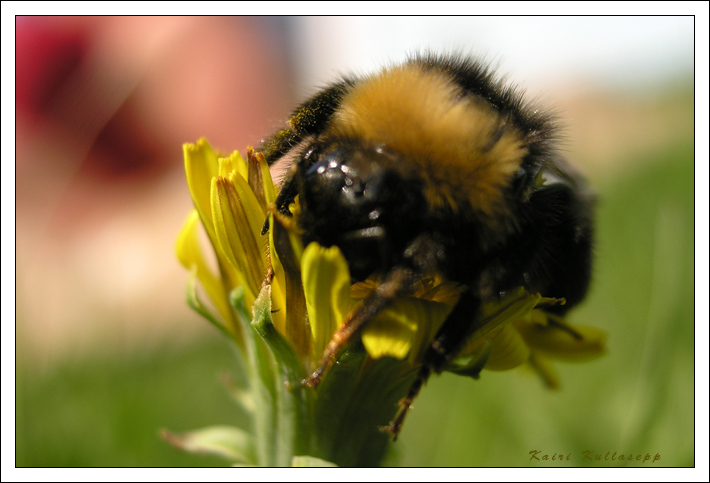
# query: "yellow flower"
x,y
300,296
230,198
310,288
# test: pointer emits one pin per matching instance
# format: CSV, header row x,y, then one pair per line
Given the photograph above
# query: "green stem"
x,y
293,401
340,421
262,383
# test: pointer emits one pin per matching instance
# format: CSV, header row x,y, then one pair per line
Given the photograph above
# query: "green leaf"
x,y
237,299
282,350
311,462
229,442
241,395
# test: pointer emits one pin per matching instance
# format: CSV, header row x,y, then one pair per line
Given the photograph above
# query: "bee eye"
x,y
328,174
309,158
309,155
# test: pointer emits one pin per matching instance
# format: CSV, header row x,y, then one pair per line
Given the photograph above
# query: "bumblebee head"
x,y
352,197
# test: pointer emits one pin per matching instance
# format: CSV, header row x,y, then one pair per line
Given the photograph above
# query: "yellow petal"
x,y
444,292
285,258
250,255
235,241
583,343
187,247
233,164
201,166
516,305
544,370
406,327
508,350
326,286
189,253
253,215
360,290
269,189
391,333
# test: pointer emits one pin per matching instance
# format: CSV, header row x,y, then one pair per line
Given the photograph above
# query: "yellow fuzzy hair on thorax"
x,y
464,151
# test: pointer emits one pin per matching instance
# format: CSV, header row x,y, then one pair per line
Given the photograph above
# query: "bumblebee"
x,y
435,166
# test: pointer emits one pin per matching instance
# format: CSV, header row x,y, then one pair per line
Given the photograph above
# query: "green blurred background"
x,y
96,381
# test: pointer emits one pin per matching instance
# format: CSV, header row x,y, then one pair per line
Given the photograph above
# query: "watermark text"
x,y
595,456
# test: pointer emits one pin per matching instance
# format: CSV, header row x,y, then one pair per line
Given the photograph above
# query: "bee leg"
x,y
395,426
449,340
399,282
420,257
